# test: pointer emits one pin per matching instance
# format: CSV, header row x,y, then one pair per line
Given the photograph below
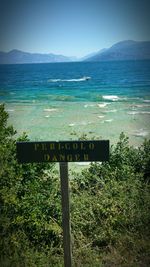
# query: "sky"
x,y
71,28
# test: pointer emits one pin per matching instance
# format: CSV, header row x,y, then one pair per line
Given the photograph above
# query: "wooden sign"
x,y
63,151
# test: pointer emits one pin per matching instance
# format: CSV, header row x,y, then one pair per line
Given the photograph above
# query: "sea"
x,y
64,101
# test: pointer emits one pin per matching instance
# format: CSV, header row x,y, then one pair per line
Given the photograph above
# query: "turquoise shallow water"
x,y
51,101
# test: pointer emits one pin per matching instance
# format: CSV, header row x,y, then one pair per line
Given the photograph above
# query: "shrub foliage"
x,y
110,208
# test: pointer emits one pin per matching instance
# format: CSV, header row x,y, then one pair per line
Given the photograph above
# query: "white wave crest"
x,y
103,105
50,109
10,110
144,112
141,133
81,123
138,112
109,120
146,100
89,105
110,111
111,97
101,116
133,113
140,106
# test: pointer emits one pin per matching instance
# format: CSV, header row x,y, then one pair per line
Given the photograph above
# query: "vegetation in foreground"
x,y
110,209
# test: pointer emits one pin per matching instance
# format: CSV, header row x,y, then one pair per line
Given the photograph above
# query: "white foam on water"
x,y
103,105
146,101
134,98
141,133
109,120
111,97
133,113
10,110
54,80
89,105
82,123
144,112
50,109
111,111
84,78
101,116
47,116
140,106
138,112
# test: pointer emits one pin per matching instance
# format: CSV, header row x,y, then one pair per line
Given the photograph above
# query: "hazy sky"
x,y
72,28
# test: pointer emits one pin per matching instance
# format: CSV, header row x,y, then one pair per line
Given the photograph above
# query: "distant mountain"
x,y
125,50
20,57
92,54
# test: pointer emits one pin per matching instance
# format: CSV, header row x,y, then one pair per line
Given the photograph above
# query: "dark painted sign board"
x,y
63,151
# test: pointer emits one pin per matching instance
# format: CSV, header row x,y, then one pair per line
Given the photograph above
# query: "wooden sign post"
x,y
63,152
65,213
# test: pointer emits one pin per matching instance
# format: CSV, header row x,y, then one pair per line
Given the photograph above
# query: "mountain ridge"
x,y
124,50
16,56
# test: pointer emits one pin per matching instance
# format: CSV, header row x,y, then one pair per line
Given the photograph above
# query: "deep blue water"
x,y
35,81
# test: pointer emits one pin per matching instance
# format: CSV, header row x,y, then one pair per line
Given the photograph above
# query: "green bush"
x,y
30,203
111,204
110,208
